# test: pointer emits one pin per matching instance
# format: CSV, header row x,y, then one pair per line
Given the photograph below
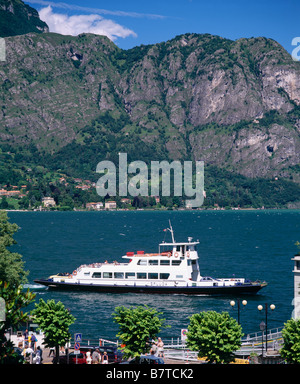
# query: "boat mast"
x,y
171,230
172,234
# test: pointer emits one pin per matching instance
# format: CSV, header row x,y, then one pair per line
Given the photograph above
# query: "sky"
x,y
133,23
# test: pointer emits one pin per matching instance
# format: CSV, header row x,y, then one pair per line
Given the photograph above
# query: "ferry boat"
x,y
173,270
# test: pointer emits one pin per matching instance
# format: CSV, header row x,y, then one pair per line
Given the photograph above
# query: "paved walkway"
x,y
48,360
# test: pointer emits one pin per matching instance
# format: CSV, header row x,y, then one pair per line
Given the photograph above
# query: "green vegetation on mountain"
x,y
17,18
223,188
67,103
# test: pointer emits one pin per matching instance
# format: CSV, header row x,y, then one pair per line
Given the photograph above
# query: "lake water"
x,y
251,244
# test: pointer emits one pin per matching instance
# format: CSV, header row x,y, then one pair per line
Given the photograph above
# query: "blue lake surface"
x,y
252,244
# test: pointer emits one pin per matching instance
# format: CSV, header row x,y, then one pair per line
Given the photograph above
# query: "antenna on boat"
x,y
171,230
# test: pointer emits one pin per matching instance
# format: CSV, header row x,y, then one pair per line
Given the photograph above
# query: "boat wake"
x,y
34,286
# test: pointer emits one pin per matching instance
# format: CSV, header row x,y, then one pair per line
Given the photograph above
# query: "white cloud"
x,y
74,25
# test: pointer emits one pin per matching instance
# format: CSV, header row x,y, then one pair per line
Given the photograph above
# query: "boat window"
x,y
141,275
164,275
86,273
178,248
190,248
176,262
142,262
97,275
164,262
129,275
153,262
107,275
152,275
119,275
206,278
179,276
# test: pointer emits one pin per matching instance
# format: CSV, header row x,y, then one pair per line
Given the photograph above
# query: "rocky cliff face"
x,y
17,18
233,104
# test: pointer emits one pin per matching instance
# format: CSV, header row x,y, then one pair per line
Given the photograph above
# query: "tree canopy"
x,y
214,335
15,299
291,337
137,327
54,320
11,263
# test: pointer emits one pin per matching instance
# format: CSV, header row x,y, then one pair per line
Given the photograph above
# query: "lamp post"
x,y
260,308
262,327
232,303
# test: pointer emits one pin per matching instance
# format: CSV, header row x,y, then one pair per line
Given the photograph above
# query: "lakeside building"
x,y
188,205
83,187
110,204
94,206
4,192
125,201
48,202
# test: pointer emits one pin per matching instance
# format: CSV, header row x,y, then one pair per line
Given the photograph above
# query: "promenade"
x,y
48,360
176,353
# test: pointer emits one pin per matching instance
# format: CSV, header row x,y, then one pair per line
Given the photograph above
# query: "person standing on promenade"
x,y
88,357
25,334
160,348
96,358
38,356
20,341
104,358
153,350
33,341
28,354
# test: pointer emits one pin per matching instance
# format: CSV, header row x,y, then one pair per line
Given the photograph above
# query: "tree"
x,y
4,203
11,264
291,337
214,335
137,327
54,320
13,300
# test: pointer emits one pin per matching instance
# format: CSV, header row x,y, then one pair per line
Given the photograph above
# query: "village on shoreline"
x,y
81,195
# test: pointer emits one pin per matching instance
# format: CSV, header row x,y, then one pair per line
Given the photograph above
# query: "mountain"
x,y
233,104
68,102
17,18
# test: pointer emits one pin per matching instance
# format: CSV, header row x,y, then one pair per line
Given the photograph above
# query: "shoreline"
x,y
154,210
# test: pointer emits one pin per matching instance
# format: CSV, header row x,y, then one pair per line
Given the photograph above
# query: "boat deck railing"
x,y
97,265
